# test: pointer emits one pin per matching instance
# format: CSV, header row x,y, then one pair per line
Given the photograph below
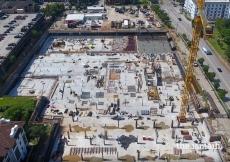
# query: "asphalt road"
x,y
185,27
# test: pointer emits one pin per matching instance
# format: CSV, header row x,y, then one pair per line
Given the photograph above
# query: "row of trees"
x,y
36,131
52,10
162,15
223,27
211,76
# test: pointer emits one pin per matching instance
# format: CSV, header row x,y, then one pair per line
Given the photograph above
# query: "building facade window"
x,y
17,154
24,138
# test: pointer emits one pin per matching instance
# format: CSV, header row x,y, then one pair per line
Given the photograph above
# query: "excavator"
x,y
201,28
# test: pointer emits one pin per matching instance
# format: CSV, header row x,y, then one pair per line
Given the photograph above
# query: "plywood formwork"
x,y
153,93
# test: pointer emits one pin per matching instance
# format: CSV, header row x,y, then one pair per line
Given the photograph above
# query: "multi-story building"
x,y
215,9
13,141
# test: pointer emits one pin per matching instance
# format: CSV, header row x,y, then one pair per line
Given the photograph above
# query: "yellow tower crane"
x,y
200,26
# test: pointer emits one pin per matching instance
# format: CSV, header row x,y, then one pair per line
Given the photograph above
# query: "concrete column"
x,y
192,122
90,140
102,154
70,128
85,135
188,109
138,154
172,109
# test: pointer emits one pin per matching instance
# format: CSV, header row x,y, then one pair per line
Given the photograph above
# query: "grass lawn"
x,y
213,42
17,108
10,101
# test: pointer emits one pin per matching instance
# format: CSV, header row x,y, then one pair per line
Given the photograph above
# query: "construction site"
x,y
119,98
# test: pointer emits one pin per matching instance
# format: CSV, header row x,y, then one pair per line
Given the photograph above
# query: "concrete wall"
x,y
180,65
47,150
39,107
121,32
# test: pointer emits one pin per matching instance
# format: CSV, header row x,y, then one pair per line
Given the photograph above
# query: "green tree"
x,y
201,61
37,8
220,23
189,43
145,6
34,33
192,22
12,59
205,69
211,75
72,2
216,85
155,8
19,112
138,6
77,7
222,93
70,6
53,9
184,36
227,53
35,130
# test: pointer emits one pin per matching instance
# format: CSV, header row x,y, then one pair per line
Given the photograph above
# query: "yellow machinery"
x,y
200,26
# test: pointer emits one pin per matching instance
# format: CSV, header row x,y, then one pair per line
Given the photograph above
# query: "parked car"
x,y
15,24
12,44
18,36
9,48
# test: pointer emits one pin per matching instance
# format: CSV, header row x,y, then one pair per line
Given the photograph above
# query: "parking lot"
x,y
9,38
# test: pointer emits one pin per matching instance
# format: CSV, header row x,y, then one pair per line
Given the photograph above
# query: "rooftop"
x,y
6,141
75,17
227,1
95,8
96,15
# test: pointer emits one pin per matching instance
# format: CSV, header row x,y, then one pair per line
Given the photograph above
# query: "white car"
x,y
15,24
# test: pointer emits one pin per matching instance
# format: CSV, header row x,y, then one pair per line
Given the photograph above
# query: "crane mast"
x,y
200,25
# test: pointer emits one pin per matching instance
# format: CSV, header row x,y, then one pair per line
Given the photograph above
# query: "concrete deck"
x,y
74,79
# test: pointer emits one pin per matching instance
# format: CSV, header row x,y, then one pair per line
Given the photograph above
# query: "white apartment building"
x,y
214,8
13,145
